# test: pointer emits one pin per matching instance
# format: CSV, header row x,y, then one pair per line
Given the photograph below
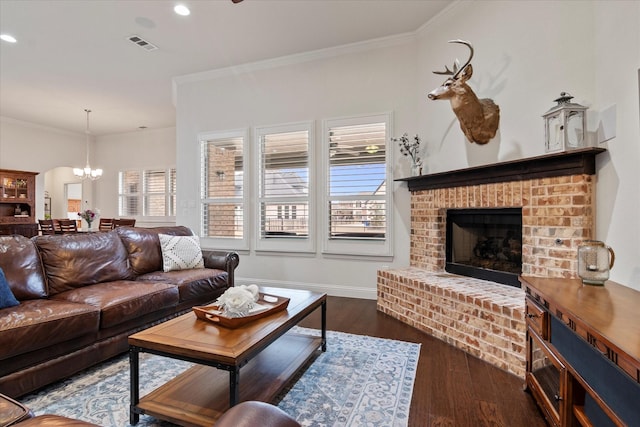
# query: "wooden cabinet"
x,y
17,202
546,374
27,230
583,351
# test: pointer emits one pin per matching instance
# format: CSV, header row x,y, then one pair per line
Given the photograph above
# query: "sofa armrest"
x,y
222,260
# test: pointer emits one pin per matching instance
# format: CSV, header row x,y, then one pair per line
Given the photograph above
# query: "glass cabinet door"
x,y
546,376
14,188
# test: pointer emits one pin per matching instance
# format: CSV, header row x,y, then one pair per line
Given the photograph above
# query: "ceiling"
x,y
73,54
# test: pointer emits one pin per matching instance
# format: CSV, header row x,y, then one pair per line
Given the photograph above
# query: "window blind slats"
x,y
357,177
284,184
147,193
154,188
222,186
224,220
284,221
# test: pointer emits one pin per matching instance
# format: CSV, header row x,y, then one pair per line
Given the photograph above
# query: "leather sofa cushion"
x,y
20,262
75,260
192,284
38,324
143,246
123,300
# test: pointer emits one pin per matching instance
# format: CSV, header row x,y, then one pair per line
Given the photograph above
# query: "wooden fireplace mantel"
x,y
574,162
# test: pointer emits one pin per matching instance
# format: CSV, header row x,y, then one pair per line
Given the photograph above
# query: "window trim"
x,y
273,243
241,244
347,246
140,195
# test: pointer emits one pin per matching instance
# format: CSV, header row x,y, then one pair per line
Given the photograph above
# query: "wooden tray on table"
x,y
265,306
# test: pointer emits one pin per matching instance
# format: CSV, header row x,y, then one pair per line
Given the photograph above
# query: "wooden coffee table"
x,y
266,350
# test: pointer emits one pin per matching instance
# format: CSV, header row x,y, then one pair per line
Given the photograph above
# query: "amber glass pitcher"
x,y
595,259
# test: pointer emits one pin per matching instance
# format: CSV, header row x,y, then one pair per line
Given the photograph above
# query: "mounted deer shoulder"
x,y
479,118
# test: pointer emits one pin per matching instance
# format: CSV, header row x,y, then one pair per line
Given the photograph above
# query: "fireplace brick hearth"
x,y
486,319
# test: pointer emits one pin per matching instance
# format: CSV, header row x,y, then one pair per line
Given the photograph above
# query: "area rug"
x,y
358,381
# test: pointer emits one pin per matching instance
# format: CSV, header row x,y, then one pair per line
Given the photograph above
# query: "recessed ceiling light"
x,y
182,10
8,38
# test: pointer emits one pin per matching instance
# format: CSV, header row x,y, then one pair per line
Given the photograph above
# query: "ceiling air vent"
x,y
142,43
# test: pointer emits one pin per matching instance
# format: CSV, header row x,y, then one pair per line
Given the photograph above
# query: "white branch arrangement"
x,y
410,148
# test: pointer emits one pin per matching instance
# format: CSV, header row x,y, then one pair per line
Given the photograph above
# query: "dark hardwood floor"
x,y
452,388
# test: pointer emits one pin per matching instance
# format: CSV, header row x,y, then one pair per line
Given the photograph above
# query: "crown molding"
x,y
314,55
443,13
10,120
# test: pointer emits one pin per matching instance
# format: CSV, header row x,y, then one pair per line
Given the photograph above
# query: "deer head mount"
x,y
479,118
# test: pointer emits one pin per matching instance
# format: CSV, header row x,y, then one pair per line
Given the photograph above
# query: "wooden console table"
x,y
583,351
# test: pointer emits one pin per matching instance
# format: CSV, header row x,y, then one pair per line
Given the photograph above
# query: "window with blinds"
x,y
147,193
222,171
155,193
357,201
129,197
277,205
173,191
283,183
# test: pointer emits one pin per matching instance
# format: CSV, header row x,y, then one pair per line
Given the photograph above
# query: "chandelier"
x,y
87,172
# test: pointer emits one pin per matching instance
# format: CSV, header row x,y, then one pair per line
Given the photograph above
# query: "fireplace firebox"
x,y
485,244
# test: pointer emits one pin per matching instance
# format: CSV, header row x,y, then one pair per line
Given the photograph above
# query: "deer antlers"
x,y
456,64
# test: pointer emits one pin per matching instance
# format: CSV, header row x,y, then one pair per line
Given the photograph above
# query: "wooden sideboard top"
x,y
607,316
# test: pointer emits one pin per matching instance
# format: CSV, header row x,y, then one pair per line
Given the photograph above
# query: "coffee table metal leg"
x,y
323,309
134,371
234,386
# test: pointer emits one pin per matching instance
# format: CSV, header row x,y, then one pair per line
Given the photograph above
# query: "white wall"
x,y
617,81
27,146
53,152
527,52
356,83
142,149
35,148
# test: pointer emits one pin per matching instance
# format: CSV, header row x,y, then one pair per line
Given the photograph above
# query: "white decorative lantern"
x,y
565,125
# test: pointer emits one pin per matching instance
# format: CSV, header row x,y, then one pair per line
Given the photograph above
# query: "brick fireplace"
x,y
486,319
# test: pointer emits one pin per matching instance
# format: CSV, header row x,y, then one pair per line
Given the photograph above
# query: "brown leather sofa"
x,y
81,295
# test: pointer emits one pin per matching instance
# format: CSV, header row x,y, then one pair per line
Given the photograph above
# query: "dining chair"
x,y
46,226
124,221
105,224
68,226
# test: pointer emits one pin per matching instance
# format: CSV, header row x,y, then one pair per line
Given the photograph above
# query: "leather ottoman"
x,y
14,413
